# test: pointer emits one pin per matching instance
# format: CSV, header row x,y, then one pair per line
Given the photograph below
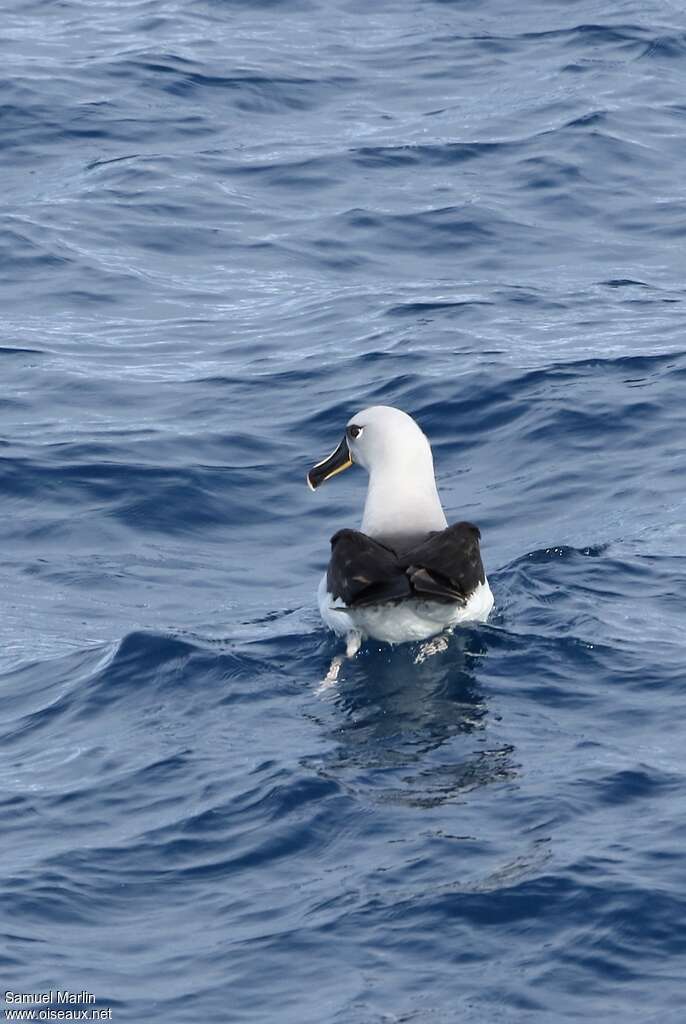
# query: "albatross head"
x,y
380,436
397,455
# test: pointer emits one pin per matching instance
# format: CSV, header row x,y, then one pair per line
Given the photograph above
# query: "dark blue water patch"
x,y
594,34
254,93
517,396
331,171
426,308
26,254
151,494
668,46
292,5
438,155
546,172
9,350
442,230
624,283
593,119
633,785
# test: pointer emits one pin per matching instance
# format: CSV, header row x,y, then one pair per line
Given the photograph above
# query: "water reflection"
x,y
415,732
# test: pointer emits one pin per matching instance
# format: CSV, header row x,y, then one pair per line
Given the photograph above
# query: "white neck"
x,y
402,498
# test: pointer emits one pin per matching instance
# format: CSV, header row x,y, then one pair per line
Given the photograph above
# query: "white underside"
x,y
405,620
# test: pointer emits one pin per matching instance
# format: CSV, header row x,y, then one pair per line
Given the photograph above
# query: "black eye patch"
x,y
354,431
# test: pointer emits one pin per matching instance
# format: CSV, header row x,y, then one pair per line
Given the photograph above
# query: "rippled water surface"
x,y
226,226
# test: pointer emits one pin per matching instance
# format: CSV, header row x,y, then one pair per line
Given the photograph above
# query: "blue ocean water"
x,y
226,226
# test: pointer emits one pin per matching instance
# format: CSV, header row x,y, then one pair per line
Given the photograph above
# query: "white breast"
x,y
404,621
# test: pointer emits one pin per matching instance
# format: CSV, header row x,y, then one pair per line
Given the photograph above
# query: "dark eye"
x,y
354,431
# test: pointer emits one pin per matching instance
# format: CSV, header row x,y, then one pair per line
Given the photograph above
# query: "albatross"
x,y
405,575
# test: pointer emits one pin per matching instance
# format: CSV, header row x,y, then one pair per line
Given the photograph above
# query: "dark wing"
x,y
362,571
446,566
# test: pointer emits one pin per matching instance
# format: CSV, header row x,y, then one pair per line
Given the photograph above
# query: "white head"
x,y
402,494
382,436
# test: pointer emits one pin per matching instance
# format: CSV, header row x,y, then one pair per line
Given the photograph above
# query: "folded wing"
x,y
362,571
445,567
